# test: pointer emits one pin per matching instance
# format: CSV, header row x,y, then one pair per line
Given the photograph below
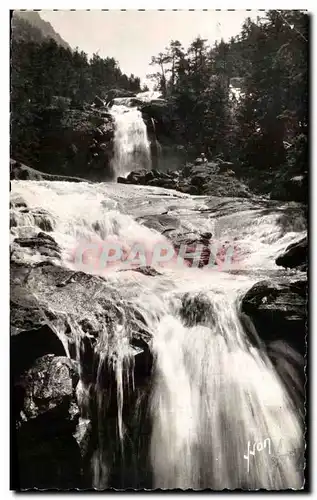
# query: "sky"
x,y
132,37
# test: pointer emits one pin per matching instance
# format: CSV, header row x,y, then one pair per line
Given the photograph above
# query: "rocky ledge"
x,y
274,314
64,339
295,256
214,179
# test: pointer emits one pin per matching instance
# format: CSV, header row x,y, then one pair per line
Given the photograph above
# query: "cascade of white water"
x,y
213,393
131,144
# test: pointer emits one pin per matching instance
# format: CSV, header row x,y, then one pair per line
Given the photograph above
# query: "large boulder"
x,y
274,315
21,172
41,244
278,311
295,255
46,413
98,102
46,387
57,312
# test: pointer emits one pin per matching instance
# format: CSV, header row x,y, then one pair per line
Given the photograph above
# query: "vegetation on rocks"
x,y
265,129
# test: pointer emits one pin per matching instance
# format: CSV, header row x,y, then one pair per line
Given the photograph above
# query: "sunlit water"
x,y
131,144
212,392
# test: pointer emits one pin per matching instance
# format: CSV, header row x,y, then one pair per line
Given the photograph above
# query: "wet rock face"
x,y
19,171
274,318
295,256
47,414
278,311
55,311
197,310
48,385
43,245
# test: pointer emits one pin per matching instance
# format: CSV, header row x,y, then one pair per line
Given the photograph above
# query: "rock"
x,y
149,176
197,310
274,317
167,184
206,236
46,416
42,243
187,170
295,255
48,385
158,110
18,202
226,165
122,180
60,299
278,311
198,180
98,102
146,270
40,217
136,177
228,173
18,171
54,310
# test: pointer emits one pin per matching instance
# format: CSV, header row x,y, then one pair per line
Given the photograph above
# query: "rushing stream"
x,y
212,392
212,395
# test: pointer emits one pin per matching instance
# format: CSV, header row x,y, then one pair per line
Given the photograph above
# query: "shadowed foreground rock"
x,y
54,312
295,256
274,316
47,415
278,310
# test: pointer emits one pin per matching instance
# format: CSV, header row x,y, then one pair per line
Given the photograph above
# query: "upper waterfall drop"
x,y
131,143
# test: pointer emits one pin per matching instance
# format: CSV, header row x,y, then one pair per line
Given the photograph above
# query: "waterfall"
x,y
131,144
211,394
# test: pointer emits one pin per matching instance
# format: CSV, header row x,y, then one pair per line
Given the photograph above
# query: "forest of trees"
x,y
266,131
42,69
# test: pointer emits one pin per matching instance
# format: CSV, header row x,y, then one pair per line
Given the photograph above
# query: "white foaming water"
x,y
213,392
131,144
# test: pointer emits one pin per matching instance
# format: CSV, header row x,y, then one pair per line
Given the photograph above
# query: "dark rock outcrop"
x,y
295,255
42,244
196,310
274,317
278,311
57,312
201,179
47,413
98,102
21,172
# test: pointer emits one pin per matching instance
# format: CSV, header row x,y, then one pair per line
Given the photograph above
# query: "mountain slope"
x,y
29,26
